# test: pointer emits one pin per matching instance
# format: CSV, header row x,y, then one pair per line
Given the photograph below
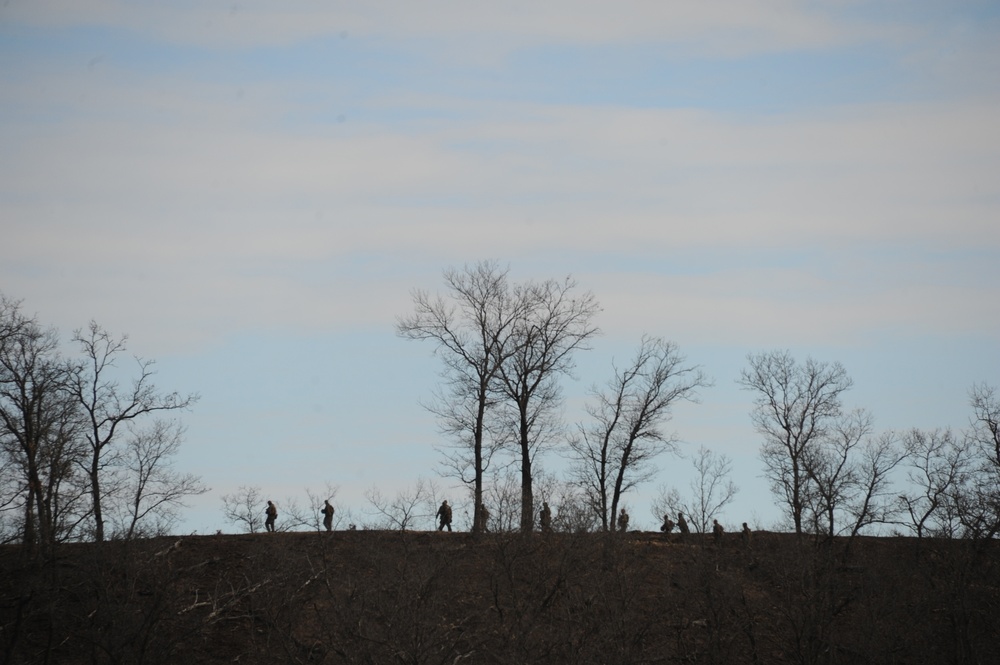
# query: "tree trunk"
x,y
527,498
477,517
36,498
95,490
796,497
29,523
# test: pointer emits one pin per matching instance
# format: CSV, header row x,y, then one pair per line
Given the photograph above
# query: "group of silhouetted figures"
x,y
483,514
544,521
444,516
271,514
717,529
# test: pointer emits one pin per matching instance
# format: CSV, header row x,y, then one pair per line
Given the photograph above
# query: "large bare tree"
x,y
504,347
37,421
795,406
472,327
552,323
615,451
108,405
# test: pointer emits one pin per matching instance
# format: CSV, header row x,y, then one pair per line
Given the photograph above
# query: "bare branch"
x,y
615,452
794,408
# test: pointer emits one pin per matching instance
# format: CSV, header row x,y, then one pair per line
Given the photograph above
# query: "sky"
x,y
251,191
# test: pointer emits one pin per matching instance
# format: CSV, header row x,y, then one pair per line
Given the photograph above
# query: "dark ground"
x,y
416,597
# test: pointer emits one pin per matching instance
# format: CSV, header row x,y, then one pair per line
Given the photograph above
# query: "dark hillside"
x,y
381,597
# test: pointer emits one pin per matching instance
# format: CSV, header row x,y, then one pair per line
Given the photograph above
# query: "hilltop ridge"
x,y
429,597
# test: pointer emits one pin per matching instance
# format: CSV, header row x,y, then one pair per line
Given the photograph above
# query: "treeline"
x,y
833,474
506,347
87,439
86,444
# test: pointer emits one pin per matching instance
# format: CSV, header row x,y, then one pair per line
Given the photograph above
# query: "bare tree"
x,y
832,470
795,406
408,508
153,490
873,502
36,418
244,508
985,404
315,501
712,489
980,499
57,421
472,328
12,497
551,325
615,452
65,490
503,495
939,464
573,513
569,508
293,516
108,405
668,502
850,477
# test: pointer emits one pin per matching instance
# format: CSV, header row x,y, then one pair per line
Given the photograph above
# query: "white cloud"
x,y
821,303
187,221
161,198
681,177
722,27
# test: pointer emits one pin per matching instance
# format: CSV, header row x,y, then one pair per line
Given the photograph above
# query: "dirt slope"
x,y
385,597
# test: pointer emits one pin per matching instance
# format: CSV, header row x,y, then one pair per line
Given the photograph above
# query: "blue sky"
x,y
250,190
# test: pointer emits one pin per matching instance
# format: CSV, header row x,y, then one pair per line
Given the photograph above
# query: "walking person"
x,y
745,535
444,515
484,517
682,525
717,532
271,512
327,515
623,521
545,518
668,525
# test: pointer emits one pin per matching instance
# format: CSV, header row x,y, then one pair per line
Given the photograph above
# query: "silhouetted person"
x,y
327,515
272,514
484,517
668,524
545,518
682,525
717,531
745,535
623,521
444,515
